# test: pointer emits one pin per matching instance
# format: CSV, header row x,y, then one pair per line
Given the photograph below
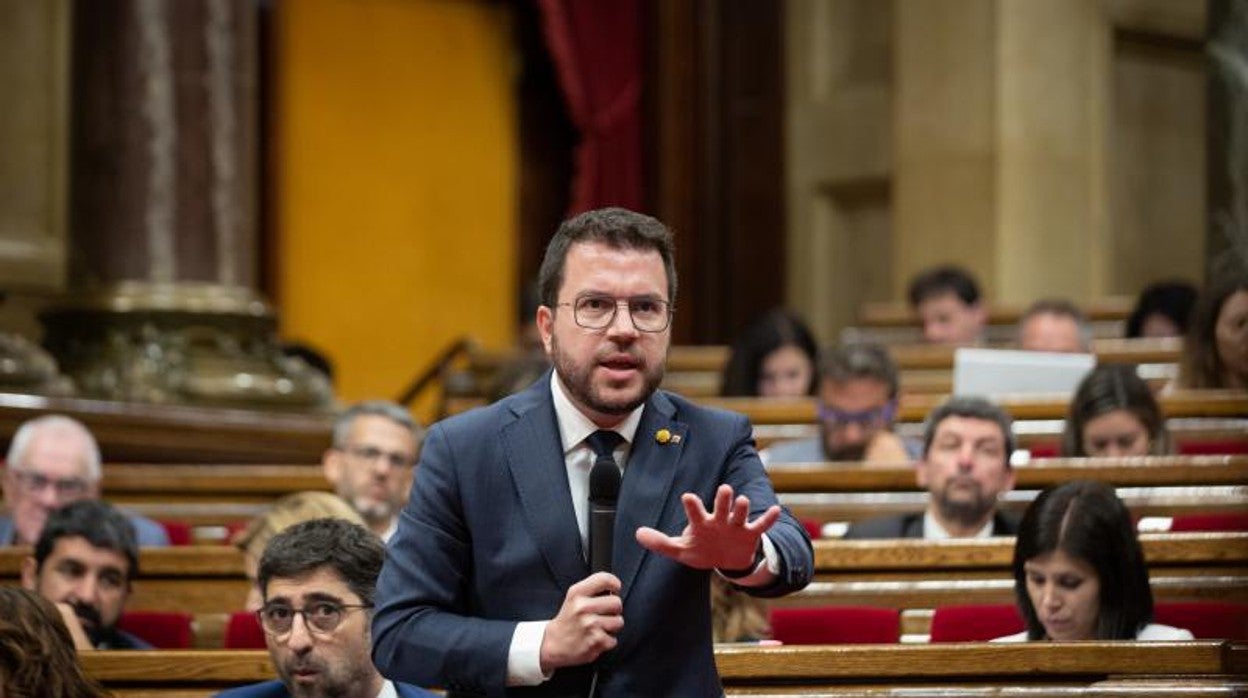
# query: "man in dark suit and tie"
x,y
487,589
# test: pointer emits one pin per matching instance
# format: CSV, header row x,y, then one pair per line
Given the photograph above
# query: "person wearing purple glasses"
x,y
857,405
967,442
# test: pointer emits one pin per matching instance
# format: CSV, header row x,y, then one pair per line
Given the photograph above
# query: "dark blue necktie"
x,y
603,443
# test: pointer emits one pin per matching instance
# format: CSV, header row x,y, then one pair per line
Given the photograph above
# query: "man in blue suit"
x,y
486,588
318,578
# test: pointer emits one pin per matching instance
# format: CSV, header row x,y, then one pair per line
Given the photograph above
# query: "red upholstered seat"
x,y
1230,521
826,625
1208,620
1228,447
814,528
975,623
243,632
164,630
179,532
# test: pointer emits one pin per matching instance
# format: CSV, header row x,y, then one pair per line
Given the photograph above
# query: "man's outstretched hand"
x,y
722,539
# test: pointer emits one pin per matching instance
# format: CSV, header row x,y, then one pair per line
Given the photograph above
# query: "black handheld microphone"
x,y
604,490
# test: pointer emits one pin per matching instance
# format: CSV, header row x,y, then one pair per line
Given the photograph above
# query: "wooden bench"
x,y
135,432
1104,668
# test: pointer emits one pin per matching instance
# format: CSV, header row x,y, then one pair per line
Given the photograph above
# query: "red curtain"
x,y
596,48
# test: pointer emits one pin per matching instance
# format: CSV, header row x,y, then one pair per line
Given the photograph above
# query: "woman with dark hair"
x,y
1215,353
36,653
774,357
1079,572
1113,413
1162,310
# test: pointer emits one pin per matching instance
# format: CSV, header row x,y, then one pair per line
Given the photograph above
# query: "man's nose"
x,y
855,432
622,323
48,497
300,637
87,590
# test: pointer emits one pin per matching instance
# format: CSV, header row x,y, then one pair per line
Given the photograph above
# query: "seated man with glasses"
x,y
84,562
371,462
318,580
53,461
965,469
857,405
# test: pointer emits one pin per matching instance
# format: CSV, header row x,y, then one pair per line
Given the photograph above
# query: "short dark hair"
x,y
941,280
618,228
99,523
1172,299
778,328
1086,520
972,407
860,360
349,549
1112,387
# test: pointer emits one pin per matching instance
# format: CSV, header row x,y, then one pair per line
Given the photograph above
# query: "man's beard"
x,y
964,512
92,623
372,510
330,683
846,452
579,381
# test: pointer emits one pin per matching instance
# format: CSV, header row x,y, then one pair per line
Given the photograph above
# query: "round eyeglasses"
x,y
321,616
595,311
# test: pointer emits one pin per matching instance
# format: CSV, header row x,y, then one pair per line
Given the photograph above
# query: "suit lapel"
x,y
646,486
535,457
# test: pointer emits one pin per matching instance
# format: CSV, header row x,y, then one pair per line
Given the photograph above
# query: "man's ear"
x,y
545,325
331,465
30,573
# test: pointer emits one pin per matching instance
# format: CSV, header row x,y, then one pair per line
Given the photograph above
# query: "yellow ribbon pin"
x,y
662,436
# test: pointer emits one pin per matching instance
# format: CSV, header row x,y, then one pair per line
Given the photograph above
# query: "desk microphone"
x,y
604,490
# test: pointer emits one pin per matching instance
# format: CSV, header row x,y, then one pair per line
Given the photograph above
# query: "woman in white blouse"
x,y
1079,572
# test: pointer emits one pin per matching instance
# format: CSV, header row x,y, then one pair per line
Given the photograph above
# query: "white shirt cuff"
x,y
766,571
524,656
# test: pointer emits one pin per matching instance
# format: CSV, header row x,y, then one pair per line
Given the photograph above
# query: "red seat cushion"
x,y
179,532
814,528
243,632
1231,521
1208,620
975,623
825,625
166,631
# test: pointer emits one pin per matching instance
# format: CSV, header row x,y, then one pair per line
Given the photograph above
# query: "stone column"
x,y
163,263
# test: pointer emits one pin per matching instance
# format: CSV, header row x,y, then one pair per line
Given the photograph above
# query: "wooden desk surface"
x,y
1150,471
134,432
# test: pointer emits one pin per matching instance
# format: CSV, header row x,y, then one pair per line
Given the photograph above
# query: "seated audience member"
x,y
318,579
1054,325
1113,413
1215,352
53,460
947,302
1162,310
774,357
857,404
87,558
372,460
285,512
37,656
735,615
1079,572
965,467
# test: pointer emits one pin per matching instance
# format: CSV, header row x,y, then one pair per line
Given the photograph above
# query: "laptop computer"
x,y
997,372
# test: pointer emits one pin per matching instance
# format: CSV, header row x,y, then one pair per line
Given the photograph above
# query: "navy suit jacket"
x,y
489,537
911,526
277,689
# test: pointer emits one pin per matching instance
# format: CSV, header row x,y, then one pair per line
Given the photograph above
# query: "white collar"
x,y
574,426
388,690
932,530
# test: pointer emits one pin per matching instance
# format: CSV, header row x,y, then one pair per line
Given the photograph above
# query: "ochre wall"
x,y
396,183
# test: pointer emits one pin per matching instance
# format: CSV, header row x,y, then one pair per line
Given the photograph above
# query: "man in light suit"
x,y
53,461
486,588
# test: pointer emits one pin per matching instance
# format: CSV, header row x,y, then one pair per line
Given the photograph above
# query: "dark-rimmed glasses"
x,y
867,419
595,311
65,488
322,617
